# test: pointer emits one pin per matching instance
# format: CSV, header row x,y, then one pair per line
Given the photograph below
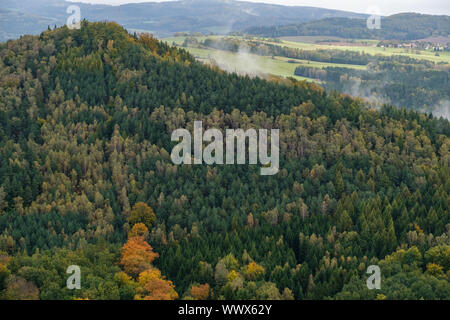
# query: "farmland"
x,y
367,46
247,63
252,64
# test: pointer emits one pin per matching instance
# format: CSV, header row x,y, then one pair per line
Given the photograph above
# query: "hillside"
x,y
165,18
405,26
409,81
86,179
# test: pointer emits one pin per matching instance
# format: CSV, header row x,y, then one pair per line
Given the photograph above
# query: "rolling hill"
x,y
165,18
405,26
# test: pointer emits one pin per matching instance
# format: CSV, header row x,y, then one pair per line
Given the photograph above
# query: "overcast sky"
x,y
386,7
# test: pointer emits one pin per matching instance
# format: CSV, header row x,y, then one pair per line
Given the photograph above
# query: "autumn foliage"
x,y
254,271
142,213
149,41
137,256
154,286
138,230
200,292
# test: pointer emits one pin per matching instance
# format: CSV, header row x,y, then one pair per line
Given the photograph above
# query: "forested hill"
x,y
160,18
86,179
404,26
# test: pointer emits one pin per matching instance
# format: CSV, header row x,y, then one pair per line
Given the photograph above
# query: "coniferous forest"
x,y
86,179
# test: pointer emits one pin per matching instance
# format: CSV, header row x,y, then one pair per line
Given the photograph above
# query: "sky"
x,y
386,7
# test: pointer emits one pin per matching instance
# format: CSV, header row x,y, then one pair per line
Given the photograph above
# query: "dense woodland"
x,y
408,85
86,179
399,80
403,26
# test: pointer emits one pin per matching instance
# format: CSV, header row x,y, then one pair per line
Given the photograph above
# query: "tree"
x,y
3,203
142,213
4,272
138,230
439,255
339,184
149,41
344,222
287,294
253,271
221,274
268,291
137,256
155,286
20,289
435,270
200,292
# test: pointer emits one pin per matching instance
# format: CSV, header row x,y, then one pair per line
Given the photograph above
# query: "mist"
x,y
442,110
241,62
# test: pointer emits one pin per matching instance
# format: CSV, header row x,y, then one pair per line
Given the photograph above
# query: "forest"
x,y
420,88
86,179
400,80
403,26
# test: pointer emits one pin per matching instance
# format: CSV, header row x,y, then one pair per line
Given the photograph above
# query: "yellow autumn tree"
x,y
149,41
138,230
142,213
253,271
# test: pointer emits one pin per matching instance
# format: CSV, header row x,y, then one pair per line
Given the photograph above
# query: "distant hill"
x,y
165,18
14,23
405,26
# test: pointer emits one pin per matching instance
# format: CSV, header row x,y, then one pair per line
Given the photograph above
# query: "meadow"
x,y
252,64
362,45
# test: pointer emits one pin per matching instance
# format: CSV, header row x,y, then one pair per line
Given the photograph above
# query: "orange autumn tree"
x,y
137,258
154,286
200,292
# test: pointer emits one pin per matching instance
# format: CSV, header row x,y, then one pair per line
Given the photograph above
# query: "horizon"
x,y
386,7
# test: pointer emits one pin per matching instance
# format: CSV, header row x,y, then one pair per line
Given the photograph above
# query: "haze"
x,y
387,7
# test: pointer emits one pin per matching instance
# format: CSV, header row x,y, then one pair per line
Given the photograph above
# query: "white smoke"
x,y
242,62
442,110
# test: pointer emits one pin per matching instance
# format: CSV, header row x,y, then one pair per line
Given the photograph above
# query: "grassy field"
x,y
302,43
316,64
251,64
245,63
324,39
359,45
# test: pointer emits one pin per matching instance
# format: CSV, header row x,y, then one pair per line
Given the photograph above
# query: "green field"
x,y
316,64
246,63
319,39
251,64
304,44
